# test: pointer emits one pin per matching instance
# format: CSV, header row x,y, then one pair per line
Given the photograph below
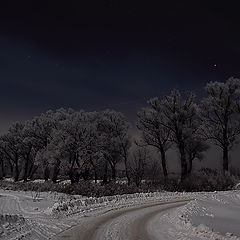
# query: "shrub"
x,y
204,180
208,180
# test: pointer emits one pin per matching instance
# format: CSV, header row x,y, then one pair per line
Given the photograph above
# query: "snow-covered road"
x,y
128,224
159,215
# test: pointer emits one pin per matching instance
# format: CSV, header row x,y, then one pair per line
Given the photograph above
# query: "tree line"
x,y
80,144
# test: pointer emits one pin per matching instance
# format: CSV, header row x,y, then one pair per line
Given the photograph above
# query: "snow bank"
x,y
75,206
210,216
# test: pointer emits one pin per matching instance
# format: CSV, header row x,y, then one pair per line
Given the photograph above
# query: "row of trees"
x,y
66,141
179,121
82,143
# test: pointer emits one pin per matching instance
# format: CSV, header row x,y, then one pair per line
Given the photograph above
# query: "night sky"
x,y
111,54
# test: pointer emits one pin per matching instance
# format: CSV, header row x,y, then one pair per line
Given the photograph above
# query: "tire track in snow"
x,y
37,223
14,204
116,225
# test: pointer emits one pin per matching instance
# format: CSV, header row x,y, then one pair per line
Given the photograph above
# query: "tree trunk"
x,y
55,175
113,172
74,176
74,172
55,172
128,179
164,166
25,176
190,161
190,165
32,171
184,169
225,159
71,172
95,175
138,181
127,171
86,174
46,173
94,169
11,167
105,174
1,170
16,177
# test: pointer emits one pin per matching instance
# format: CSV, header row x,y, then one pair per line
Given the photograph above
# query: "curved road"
x,y
126,224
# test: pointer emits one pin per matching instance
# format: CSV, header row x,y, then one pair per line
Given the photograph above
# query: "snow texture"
x,y
29,215
209,216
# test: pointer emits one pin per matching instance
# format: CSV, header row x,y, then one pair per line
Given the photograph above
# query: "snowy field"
x,y
30,215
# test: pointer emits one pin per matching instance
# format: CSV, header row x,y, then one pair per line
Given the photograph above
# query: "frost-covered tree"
x,y
153,132
52,156
61,145
5,158
18,148
219,112
11,145
27,152
2,167
39,131
114,138
180,116
80,141
91,153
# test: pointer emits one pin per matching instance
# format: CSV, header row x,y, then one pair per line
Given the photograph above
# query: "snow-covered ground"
x,y
28,215
209,216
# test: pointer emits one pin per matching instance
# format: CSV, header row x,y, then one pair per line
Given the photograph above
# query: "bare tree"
x,y
113,134
138,164
195,148
180,116
219,112
153,132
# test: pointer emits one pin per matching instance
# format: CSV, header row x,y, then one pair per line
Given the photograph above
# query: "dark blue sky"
x,y
110,54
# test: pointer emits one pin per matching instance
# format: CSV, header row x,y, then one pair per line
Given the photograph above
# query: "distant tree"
x,y
152,169
114,138
195,148
47,134
2,167
125,142
11,145
42,160
138,164
27,152
80,144
92,153
220,115
52,157
40,133
153,132
6,162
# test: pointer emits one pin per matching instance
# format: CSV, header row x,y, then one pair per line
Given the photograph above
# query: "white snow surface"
x,y
209,216
28,215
